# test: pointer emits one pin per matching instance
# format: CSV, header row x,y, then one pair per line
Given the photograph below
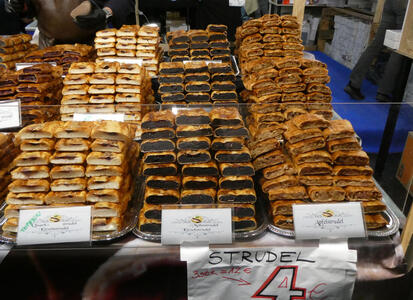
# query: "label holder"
x,y
85,242
124,60
10,114
188,216
90,117
329,221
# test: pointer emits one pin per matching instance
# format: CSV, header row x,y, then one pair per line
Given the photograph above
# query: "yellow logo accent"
x,y
197,219
55,218
328,213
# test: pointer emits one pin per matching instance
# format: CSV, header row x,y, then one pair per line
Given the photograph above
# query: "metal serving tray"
x,y
130,221
389,230
389,215
260,216
2,207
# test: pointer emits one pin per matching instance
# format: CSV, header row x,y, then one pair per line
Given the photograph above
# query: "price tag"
x,y
98,117
185,225
54,225
333,220
236,2
10,114
124,60
20,66
272,273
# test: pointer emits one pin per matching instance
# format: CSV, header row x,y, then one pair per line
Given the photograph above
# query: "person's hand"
x,y
95,20
14,6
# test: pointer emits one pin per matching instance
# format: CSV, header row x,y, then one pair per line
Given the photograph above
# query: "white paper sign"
x,y
272,273
330,220
98,117
20,66
124,60
184,225
236,2
54,225
10,114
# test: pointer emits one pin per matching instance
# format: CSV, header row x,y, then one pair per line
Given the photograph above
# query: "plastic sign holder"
x,y
213,225
10,114
54,225
98,117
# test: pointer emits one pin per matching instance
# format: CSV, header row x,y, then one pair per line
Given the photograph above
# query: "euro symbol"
x,y
317,291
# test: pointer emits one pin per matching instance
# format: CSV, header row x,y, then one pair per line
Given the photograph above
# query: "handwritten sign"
x,y
332,220
184,225
273,273
98,117
54,225
10,114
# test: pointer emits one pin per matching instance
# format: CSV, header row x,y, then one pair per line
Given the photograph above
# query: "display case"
x,y
253,137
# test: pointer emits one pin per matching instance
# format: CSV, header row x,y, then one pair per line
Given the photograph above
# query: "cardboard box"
x,y
405,171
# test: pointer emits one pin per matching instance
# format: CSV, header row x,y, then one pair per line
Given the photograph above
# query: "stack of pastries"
x,y
62,55
40,84
148,49
73,164
320,161
7,154
106,87
269,36
13,48
131,41
196,82
273,73
209,44
113,42
197,158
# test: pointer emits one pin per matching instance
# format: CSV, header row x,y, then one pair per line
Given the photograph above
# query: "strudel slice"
x,y
326,193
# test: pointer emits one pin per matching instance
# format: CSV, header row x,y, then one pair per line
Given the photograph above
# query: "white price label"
x,y
98,117
186,225
10,114
20,66
124,60
330,220
54,225
236,2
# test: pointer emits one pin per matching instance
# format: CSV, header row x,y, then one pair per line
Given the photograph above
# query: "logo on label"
x,y
328,213
197,219
55,218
